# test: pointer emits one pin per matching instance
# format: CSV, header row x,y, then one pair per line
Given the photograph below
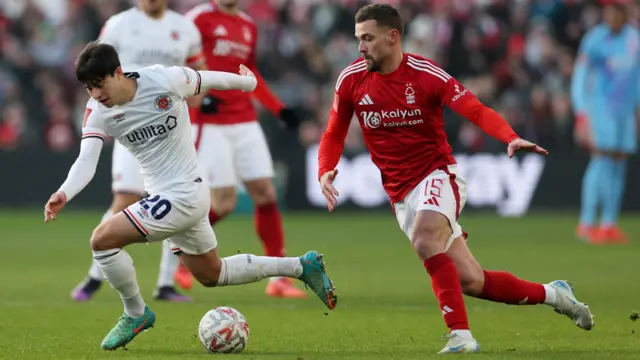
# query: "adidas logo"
x,y
432,201
366,100
446,310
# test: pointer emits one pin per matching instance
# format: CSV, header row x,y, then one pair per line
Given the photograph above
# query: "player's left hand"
x,y
522,144
54,205
290,117
245,71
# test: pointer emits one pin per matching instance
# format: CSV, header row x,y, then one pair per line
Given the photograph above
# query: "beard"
x,y
372,64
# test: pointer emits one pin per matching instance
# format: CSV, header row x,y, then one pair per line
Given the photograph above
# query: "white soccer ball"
x,y
224,330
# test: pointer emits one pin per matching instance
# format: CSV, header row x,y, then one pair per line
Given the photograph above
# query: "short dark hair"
x,y
383,14
95,63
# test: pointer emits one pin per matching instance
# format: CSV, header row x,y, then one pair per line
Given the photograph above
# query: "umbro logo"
x,y
366,100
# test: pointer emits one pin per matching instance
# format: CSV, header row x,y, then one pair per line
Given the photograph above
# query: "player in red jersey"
x,y
398,100
231,144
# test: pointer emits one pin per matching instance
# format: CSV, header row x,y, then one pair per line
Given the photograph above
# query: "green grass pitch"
x,y
386,308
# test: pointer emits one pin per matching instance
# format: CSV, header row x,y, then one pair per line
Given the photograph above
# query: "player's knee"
x,y
472,282
210,276
430,234
262,191
101,239
122,200
223,200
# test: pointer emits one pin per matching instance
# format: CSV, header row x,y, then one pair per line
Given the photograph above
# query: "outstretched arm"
x,y
187,82
228,81
465,103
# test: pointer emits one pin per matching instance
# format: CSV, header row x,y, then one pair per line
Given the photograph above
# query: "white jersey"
x,y
154,126
143,41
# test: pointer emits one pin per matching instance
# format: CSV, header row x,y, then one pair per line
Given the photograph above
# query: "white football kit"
x,y
143,41
155,128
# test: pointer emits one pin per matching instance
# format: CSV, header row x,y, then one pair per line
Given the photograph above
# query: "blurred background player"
x,y
231,144
605,98
143,36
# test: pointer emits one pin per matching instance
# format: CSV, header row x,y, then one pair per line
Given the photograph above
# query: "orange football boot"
x,y
611,235
587,233
284,288
183,278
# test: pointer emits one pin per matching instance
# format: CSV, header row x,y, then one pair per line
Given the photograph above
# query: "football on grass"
x,y
224,330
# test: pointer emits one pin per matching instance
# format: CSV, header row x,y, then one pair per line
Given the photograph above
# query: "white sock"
x,y
549,295
117,267
463,333
94,270
168,265
245,268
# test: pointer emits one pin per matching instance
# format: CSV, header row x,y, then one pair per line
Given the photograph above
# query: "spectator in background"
x,y
516,55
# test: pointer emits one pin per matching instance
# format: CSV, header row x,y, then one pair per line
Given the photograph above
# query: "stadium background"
x,y
517,56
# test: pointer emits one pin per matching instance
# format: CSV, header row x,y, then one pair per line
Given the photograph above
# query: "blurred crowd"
x,y
516,55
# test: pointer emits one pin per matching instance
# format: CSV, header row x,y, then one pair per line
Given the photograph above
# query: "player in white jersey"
x,y
147,35
146,112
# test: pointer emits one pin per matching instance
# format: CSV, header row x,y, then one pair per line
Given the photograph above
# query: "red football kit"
x,y
229,41
401,119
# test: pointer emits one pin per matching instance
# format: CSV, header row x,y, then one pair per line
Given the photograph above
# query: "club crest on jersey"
x,y
410,94
163,103
118,118
175,35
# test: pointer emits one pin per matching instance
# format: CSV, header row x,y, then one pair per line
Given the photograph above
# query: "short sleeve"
x,y
93,124
184,81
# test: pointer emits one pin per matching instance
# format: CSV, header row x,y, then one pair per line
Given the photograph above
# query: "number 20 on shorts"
x,y
159,208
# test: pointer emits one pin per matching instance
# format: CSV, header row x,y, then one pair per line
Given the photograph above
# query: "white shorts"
x,y
229,153
180,216
443,191
125,172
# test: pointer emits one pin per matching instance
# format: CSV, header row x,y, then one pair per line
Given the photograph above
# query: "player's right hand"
x,y
329,192
54,205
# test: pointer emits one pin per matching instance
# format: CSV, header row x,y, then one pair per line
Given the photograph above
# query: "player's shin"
x,y
614,192
268,223
168,266
501,286
591,190
94,270
117,267
446,286
246,268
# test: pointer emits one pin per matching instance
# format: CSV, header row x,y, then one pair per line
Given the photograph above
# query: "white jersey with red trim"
x,y
154,126
143,41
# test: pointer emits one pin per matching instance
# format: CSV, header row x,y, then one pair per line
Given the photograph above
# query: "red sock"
x,y
446,285
269,227
501,286
213,217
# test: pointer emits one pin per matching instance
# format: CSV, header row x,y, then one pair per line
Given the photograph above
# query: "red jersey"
x,y
401,119
228,41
